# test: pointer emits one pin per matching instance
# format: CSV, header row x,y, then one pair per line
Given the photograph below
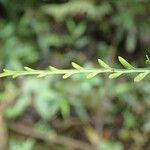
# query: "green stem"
x,y
73,71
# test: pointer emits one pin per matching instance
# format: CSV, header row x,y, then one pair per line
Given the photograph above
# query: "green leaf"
x,y
28,69
91,75
125,63
53,68
6,73
65,76
6,70
140,76
18,108
65,108
42,75
131,42
115,75
76,66
103,64
46,104
15,75
148,60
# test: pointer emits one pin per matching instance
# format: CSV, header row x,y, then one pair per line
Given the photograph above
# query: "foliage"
x,y
143,72
26,145
38,33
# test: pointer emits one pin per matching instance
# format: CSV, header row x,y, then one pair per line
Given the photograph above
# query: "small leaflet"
x,y
76,66
28,69
115,75
15,75
67,75
53,68
140,76
6,73
42,75
103,64
6,70
125,63
91,75
148,60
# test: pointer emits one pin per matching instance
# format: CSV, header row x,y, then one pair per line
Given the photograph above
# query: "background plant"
x,y
42,33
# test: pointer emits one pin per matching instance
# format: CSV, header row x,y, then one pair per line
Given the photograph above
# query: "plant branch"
x,y
114,72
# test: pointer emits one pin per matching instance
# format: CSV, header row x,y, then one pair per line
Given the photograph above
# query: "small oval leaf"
x,y
115,75
65,76
6,70
91,75
76,66
140,76
42,75
53,68
15,75
28,69
103,64
125,63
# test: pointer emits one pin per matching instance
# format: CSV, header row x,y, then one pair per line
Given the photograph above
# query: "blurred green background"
x,y
73,114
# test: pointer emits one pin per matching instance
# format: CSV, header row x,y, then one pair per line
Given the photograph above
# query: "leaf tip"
x,y
67,75
28,68
125,63
76,66
103,64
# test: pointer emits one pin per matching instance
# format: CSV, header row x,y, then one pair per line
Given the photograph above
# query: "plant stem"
x,y
72,71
